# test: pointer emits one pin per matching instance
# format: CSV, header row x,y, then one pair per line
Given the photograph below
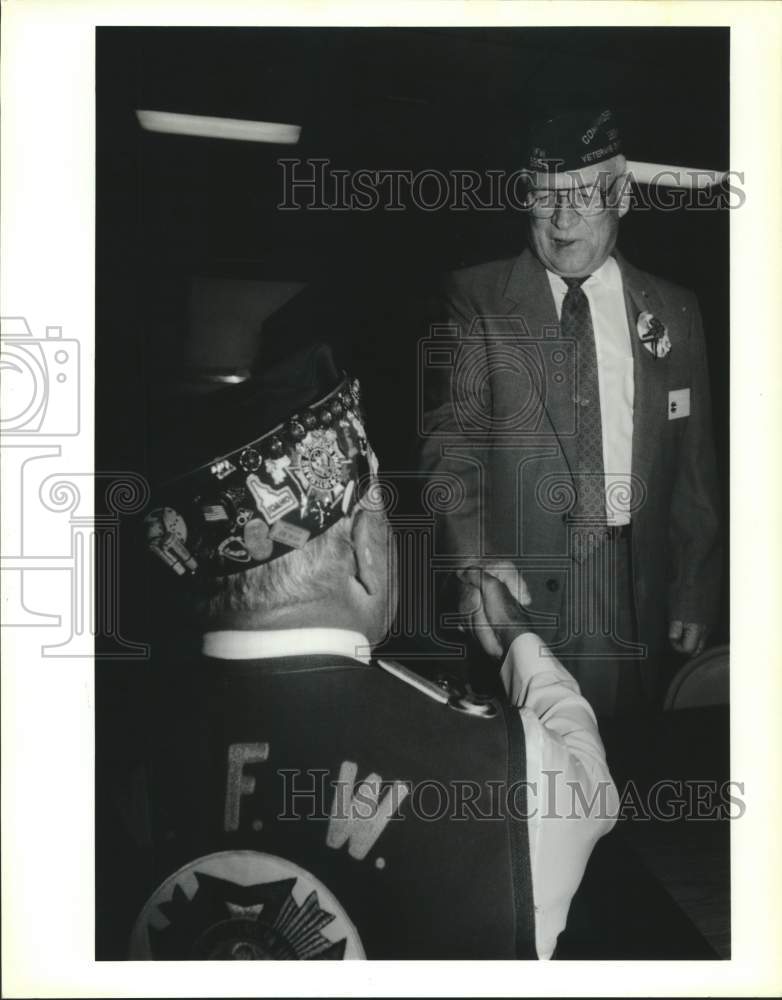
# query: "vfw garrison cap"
x,y
573,140
259,469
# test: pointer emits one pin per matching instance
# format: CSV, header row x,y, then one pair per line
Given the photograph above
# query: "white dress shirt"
x,y
605,293
563,750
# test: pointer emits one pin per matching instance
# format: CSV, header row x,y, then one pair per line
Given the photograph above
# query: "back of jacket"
x,y
316,807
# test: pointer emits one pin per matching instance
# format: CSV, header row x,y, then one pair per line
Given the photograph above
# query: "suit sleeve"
x,y
694,525
450,452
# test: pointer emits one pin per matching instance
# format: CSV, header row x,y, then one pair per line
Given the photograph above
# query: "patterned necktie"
x,y
589,512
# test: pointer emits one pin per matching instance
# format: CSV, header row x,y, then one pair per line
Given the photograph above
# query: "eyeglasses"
x,y
587,201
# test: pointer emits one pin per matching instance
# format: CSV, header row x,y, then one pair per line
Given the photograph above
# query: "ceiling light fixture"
x,y
219,128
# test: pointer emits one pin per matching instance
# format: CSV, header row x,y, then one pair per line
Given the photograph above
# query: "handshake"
x,y
489,609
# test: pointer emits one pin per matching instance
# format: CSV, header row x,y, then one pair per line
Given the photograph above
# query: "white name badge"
x,y
678,403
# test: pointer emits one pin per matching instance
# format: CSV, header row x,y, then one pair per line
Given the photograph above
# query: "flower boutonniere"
x,y
653,334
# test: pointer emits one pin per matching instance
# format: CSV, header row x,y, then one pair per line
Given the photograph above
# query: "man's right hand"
x,y
496,617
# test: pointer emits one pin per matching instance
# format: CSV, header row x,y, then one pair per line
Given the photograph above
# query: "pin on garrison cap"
x,y
295,473
573,140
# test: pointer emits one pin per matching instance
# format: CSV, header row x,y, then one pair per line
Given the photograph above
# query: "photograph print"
x,y
417,341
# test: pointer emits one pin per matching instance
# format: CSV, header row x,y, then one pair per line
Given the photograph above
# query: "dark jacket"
x,y
499,426
263,789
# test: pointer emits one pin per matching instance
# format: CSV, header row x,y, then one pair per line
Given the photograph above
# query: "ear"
x,y
369,568
624,187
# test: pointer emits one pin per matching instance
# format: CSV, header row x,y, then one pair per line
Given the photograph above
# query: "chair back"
x,y
702,682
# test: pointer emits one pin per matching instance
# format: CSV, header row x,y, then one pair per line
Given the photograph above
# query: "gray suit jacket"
x,y
499,424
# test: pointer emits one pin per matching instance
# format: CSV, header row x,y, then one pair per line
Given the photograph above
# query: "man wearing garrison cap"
x,y
306,800
575,411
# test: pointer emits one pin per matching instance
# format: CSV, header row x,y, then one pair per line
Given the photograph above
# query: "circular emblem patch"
x,y
243,905
320,460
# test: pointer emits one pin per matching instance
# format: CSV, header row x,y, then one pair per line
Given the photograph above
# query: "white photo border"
x,y
47,248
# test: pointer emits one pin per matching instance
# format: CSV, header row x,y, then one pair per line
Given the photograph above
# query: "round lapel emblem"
x,y
240,905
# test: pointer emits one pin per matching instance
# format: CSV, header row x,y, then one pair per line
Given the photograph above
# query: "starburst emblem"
x,y
227,918
320,461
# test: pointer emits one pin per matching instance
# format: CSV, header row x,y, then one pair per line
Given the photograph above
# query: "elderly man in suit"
x,y
567,399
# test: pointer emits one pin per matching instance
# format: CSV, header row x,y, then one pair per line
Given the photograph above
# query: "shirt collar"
x,y
260,645
608,275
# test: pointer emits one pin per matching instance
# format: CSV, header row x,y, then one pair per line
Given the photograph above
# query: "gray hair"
x,y
299,577
302,576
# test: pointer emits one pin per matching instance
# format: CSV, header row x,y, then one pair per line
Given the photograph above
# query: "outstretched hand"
x,y
496,618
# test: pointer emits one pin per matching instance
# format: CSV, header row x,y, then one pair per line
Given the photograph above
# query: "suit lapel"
x,y
650,403
528,295
527,283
